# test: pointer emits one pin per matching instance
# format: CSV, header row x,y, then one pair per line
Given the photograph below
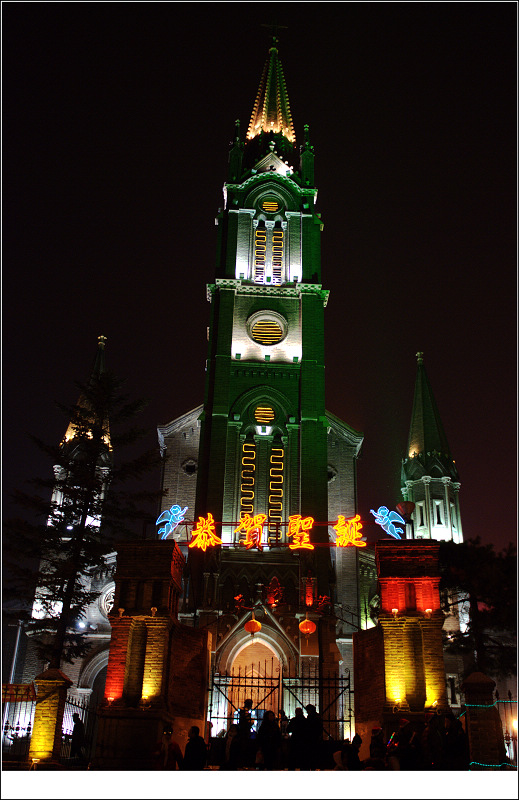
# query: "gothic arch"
x,y
274,639
261,393
92,666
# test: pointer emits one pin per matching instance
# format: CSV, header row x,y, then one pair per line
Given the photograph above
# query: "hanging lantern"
x,y
307,627
252,626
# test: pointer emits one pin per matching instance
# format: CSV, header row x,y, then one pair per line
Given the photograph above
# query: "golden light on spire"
x,y
271,112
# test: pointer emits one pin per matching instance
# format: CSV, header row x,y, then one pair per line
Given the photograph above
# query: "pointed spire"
x,y
426,434
99,363
271,110
97,370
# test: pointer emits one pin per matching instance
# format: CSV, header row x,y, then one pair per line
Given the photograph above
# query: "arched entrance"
x,y
254,672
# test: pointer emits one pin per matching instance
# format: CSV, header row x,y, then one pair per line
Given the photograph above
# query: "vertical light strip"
x,y
260,252
275,509
248,480
277,255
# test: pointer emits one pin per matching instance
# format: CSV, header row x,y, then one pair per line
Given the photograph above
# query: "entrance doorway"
x,y
255,674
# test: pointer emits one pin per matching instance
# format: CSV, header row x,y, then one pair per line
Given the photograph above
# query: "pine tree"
x,y
483,583
94,505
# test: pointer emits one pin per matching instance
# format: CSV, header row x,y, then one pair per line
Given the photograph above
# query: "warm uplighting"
x,y
394,611
110,700
514,724
428,611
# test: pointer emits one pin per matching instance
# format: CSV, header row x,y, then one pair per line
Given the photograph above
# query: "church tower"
x,y
263,437
429,476
262,469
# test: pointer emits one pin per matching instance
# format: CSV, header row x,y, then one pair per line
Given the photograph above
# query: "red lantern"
x,y
405,509
252,626
307,627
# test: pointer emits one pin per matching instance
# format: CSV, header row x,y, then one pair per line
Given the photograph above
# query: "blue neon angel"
x,y
172,517
385,519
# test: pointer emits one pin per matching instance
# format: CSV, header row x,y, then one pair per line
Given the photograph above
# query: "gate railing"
x,y
18,705
270,691
88,717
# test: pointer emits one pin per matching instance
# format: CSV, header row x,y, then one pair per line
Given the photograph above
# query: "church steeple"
x,y
97,370
429,476
271,112
426,434
270,140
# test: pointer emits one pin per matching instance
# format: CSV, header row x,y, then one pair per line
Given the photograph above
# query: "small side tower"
x,y
429,476
87,673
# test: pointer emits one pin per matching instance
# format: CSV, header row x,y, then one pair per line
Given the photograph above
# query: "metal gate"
x,y
265,685
88,717
260,682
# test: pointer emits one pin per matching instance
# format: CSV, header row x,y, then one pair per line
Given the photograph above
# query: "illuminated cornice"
x,y
246,287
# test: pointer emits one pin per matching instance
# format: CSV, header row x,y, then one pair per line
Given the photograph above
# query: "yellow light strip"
x,y
264,414
275,510
248,479
260,250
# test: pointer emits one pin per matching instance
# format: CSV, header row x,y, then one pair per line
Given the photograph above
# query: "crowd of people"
x,y
279,743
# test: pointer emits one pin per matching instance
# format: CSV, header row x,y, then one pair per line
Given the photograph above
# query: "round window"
x,y
267,328
270,206
264,414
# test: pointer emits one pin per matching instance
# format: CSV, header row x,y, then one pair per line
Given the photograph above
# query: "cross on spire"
x,y
274,28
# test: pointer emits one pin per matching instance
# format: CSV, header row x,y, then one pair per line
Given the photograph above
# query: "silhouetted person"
x,y
455,744
297,742
195,754
78,737
231,756
245,757
314,737
269,740
432,739
168,754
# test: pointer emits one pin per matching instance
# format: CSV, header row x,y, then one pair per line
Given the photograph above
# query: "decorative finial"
x,y
419,356
101,340
237,130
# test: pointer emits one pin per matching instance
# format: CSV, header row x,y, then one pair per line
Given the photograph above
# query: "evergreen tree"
x,y
93,506
483,583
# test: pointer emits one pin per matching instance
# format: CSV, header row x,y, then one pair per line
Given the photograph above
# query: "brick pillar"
x,y
394,648
152,682
434,666
483,723
51,694
117,657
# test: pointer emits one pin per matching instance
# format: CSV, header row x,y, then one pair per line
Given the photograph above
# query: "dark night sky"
x,y
116,125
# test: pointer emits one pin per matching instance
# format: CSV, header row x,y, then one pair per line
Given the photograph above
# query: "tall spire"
x,y
97,370
426,434
271,112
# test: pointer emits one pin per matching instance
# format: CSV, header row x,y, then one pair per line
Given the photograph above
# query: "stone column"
x,y
428,520
51,694
446,481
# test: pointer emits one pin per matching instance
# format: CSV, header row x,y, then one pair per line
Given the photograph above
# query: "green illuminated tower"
x,y
263,447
